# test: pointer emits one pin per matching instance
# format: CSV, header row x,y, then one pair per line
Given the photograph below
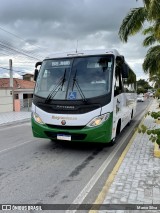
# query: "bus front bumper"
x,y
99,134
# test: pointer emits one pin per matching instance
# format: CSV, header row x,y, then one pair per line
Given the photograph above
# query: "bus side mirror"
x,y
119,60
39,63
35,74
125,70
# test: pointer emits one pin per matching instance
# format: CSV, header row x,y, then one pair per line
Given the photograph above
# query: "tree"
x,y
151,62
156,80
134,22
143,86
152,36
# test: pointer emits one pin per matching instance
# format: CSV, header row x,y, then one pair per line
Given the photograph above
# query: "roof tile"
x,y
18,83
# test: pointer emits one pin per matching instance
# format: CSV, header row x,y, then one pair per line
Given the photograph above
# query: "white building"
x,y
22,89
6,100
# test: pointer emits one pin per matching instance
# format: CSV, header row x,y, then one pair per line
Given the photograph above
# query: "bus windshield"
x,y
75,78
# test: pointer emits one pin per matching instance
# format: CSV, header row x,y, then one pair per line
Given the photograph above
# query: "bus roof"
x,y
84,53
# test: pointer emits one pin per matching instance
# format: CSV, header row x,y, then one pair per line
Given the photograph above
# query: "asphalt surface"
x,y
39,171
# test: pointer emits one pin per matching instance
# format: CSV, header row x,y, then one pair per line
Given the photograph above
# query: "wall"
x,y
6,100
25,97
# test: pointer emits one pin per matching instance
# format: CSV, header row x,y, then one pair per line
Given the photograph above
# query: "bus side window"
x,y
118,83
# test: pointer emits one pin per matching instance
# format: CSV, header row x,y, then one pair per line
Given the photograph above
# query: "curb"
x,y
101,196
15,122
156,150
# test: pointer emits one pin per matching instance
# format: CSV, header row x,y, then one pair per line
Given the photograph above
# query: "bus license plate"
x,y
64,137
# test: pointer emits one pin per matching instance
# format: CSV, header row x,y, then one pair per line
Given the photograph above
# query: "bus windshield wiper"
x,y
75,82
56,88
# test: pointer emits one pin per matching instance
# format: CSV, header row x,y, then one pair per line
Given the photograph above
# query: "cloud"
x,y
65,18
4,75
44,27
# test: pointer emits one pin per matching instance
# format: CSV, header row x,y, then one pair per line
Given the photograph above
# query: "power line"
x,y
13,55
12,70
21,51
16,50
18,37
4,68
4,54
24,62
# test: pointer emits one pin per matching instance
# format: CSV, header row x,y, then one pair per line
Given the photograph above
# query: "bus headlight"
x,y
98,120
37,118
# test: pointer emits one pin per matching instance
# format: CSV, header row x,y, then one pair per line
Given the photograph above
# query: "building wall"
x,y
25,97
6,100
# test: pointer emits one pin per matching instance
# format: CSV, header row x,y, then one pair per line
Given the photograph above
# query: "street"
x,y
39,171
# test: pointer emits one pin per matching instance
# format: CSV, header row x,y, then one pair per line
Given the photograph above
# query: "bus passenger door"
x,y
121,111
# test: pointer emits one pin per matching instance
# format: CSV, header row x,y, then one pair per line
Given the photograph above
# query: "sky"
x,y
30,30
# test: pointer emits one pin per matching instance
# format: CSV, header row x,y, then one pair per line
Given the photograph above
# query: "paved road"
x,y
40,171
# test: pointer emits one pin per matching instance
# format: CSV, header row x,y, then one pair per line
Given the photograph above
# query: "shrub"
x,y
153,133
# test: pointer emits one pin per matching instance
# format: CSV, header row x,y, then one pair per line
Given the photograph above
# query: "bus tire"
x,y
131,118
132,115
112,142
118,129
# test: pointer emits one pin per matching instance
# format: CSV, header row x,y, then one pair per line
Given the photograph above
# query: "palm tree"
x,y
155,79
152,38
134,21
151,62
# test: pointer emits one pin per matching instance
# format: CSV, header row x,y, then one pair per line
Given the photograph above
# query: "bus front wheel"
x,y
118,129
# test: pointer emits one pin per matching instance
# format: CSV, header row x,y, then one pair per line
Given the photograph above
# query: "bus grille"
x,y
65,127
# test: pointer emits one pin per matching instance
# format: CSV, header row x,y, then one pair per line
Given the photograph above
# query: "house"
x,y
22,89
6,99
28,77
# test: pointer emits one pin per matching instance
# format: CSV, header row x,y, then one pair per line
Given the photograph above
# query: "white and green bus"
x,y
87,96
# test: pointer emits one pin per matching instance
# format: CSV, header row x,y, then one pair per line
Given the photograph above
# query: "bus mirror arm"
x,y
35,74
39,63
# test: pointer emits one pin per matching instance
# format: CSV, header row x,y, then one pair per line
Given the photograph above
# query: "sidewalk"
x,y
7,118
136,180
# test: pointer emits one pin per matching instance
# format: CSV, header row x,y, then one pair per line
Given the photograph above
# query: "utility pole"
x,y
11,79
10,73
